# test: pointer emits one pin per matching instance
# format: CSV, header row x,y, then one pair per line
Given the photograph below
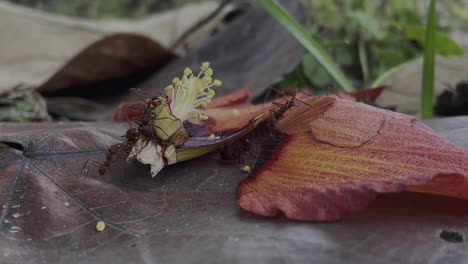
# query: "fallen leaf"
x,y
22,104
191,206
331,161
403,88
113,58
35,44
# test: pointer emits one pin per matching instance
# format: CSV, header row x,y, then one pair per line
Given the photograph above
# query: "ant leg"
x,y
333,91
146,144
83,168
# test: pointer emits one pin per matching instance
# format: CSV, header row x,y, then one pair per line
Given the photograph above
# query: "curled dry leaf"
x,y
332,156
114,57
190,207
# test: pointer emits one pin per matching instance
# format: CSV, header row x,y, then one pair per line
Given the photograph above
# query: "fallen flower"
x,y
162,135
164,116
327,157
331,161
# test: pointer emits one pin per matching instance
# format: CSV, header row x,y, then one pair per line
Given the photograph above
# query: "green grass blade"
x,y
303,37
428,77
388,73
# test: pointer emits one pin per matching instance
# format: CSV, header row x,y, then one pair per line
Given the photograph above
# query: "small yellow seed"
x,y
236,112
100,226
217,83
202,105
246,169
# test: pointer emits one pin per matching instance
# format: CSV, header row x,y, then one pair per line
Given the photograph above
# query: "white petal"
x,y
147,152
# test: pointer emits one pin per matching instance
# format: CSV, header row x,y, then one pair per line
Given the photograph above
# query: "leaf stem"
x,y
427,93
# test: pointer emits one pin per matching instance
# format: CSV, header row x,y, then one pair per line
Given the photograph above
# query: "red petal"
x,y
349,153
368,95
129,111
229,119
236,116
235,100
239,97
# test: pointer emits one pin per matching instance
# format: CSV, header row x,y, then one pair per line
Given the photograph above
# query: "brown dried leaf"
x,y
188,212
114,57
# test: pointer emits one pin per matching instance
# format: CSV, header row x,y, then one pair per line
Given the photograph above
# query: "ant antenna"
x,y
333,90
136,92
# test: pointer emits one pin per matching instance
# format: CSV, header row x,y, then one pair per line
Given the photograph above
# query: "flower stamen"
x,y
189,94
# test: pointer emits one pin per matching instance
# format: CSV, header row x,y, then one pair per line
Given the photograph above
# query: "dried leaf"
x,y
116,57
36,44
190,207
340,156
403,89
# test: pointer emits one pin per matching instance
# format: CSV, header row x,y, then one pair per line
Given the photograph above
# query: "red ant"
x,y
145,131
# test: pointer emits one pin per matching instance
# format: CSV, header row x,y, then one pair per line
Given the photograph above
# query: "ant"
x,y
145,131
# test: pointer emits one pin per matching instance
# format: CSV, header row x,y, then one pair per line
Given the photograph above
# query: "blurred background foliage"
x,y
104,9
366,38
369,38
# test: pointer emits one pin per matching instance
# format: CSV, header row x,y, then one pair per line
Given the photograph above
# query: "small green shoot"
x,y
428,77
312,46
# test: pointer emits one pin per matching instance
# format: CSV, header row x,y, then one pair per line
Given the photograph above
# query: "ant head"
x,y
155,101
147,131
132,134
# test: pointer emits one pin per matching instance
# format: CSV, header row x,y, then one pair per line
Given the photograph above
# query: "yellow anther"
x,y
191,93
202,105
217,83
203,117
187,71
211,93
208,79
205,65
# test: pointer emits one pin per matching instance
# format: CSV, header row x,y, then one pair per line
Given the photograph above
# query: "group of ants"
x,y
146,130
